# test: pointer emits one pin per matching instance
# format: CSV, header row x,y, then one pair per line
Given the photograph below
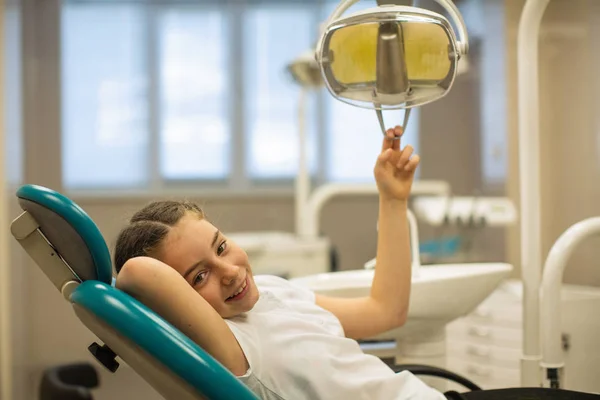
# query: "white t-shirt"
x,y
297,350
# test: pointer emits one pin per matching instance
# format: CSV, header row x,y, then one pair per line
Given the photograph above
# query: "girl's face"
x,y
217,268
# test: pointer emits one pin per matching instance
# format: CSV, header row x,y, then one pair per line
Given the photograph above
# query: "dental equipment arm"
x,y
325,193
164,291
530,188
561,251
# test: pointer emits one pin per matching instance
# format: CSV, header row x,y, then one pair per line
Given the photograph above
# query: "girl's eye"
x,y
221,247
199,278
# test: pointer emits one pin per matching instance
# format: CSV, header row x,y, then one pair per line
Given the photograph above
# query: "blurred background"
x,y
115,103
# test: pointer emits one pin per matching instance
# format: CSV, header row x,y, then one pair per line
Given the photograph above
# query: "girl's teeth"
x,y
239,290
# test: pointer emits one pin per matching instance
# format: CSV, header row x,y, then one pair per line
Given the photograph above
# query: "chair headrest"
x,y
70,231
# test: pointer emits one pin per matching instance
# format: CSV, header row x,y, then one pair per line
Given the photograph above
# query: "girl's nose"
x,y
229,273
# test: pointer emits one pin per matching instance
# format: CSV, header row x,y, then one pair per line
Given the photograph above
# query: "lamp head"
x,y
390,57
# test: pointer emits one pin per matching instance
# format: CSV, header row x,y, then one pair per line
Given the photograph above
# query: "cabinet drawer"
x,y
507,317
484,354
483,334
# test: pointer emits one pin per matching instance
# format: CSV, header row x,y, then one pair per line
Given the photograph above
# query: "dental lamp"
x,y
382,58
391,56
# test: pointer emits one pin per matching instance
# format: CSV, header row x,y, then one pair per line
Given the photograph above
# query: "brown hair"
x,y
148,227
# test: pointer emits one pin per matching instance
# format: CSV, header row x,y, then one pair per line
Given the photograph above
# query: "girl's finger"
x,y
384,157
404,157
412,164
388,140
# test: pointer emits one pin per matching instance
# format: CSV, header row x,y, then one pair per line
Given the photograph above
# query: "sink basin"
x,y
439,293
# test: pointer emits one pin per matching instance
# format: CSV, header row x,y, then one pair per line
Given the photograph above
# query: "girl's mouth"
x,y
240,293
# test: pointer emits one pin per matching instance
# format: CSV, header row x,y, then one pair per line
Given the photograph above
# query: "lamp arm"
x,y
459,23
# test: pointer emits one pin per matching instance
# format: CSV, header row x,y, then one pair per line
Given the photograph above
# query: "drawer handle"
x,y
478,351
479,331
471,369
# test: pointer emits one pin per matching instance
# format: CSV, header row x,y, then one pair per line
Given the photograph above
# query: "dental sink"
x,y
439,293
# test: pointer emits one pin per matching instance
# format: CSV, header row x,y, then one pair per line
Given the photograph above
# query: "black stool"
x,y
69,382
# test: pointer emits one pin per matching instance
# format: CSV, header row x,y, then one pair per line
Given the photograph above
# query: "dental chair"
x,y
67,245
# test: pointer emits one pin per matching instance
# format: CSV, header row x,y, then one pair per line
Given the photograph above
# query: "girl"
x,y
282,341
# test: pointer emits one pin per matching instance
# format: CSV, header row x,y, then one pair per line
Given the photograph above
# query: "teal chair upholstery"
x,y
68,246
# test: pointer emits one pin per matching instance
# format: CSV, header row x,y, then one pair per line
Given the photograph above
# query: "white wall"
x,y
569,127
5,336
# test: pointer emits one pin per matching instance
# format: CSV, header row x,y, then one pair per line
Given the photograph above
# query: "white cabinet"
x,y
486,345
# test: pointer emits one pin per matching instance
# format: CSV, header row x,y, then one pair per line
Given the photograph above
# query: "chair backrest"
x,y
68,246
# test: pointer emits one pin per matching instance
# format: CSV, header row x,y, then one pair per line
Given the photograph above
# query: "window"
x,y
197,93
194,93
105,89
273,37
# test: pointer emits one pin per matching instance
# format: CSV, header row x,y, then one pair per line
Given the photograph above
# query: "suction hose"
x,y
428,370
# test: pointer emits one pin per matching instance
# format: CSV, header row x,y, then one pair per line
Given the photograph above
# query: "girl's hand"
x,y
395,169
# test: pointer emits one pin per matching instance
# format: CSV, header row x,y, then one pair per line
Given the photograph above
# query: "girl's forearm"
x,y
392,281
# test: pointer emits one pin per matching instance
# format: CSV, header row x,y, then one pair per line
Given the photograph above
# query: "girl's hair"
x,y
148,228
